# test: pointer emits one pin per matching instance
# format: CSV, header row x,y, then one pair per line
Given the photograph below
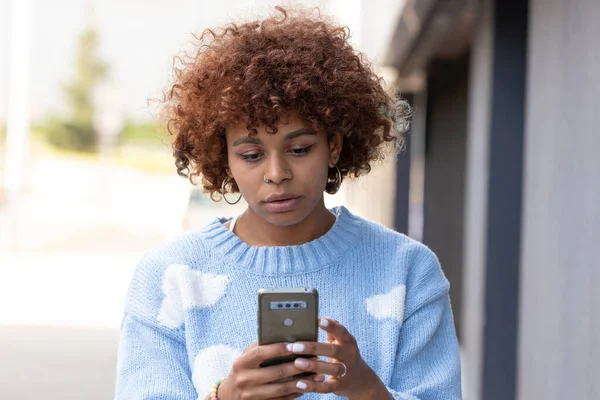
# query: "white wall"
x,y
560,274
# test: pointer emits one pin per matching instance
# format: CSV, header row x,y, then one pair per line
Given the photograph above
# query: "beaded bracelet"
x,y
215,389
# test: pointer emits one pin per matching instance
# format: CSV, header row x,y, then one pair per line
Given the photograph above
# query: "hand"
x,y
349,374
248,381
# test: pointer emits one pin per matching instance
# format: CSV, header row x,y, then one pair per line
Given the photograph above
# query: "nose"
x,y
277,170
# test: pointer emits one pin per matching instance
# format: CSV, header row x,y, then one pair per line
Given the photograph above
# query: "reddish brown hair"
x,y
256,71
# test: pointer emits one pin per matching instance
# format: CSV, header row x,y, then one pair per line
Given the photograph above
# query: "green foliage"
x,y
143,133
77,130
71,135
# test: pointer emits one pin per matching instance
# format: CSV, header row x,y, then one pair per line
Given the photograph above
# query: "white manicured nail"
x,y
301,385
289,347
297,347
324,323
301,362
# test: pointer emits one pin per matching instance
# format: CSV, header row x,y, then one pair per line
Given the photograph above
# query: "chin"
x,y
283,219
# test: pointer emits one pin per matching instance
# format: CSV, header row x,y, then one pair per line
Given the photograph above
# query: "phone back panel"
x,y
274,321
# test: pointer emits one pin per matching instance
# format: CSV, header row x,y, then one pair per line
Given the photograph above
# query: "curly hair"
x,y
256,72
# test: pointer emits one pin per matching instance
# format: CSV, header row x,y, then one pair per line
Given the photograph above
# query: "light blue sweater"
x,y
192,304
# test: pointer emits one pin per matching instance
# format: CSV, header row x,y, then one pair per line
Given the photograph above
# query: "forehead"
x,y
287,123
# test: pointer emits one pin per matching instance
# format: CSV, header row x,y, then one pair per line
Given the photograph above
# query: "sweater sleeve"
x,y
152,358
427,365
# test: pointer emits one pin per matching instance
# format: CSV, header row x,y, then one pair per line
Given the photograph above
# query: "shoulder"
x,y
186,249
194,248
417,264
375,236
161,273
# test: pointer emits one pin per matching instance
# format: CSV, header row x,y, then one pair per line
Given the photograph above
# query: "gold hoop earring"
x,y
225,197
338,180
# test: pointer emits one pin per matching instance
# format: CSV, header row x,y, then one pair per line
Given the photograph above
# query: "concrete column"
x,y
476,183
559,347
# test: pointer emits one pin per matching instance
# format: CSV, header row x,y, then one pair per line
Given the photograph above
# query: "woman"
x,y
279,112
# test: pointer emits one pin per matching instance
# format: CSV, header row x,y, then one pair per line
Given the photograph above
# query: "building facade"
x,y
505,145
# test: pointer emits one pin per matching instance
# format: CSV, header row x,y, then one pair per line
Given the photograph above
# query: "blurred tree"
x,y
144,133
77,130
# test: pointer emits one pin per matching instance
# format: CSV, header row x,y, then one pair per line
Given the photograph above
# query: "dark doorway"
x,y
445,156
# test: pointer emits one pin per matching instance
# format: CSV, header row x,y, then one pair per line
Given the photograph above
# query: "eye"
x,y
253,157
301,151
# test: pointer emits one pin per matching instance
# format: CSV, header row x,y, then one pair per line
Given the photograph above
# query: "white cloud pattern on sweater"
x,y
388,305
212,363
184,289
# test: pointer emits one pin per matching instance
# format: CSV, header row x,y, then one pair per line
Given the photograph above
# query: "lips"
x,y
280,197
281,202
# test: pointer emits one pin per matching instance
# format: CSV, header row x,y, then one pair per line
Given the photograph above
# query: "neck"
x,y
256,231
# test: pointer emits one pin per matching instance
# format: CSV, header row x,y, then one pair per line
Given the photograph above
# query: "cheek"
x,y
245,179
315,174
319,175
240,171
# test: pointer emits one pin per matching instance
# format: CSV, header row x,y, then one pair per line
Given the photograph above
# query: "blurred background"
x,y
500,177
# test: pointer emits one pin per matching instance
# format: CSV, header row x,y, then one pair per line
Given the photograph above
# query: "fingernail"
x,y
289,347
297,347
324,323
301,385
301,362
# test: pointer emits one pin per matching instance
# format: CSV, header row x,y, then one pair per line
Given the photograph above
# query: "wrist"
x,y
215,391
372,388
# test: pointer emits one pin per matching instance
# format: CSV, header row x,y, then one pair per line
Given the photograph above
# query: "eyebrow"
x,y
288,136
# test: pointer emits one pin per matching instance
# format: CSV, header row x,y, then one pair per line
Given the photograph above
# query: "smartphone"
x,y
287,315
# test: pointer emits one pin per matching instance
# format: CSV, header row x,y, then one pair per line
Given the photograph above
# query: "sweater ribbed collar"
x,y
285,260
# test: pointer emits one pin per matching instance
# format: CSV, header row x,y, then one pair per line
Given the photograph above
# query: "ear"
x,y
335,149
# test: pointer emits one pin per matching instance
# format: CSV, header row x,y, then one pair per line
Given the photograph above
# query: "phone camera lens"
x,y
295,305
279,305
288,305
